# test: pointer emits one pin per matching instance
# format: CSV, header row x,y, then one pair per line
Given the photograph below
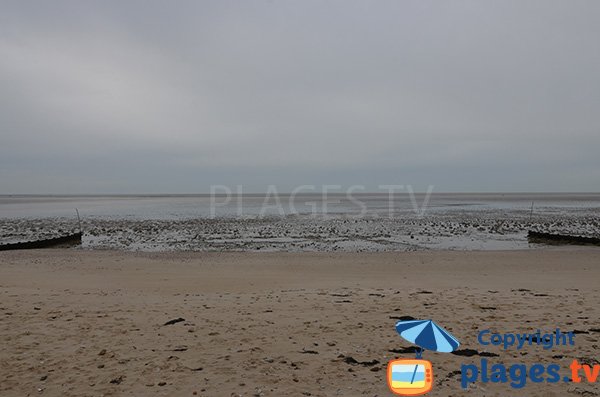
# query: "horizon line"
x,y
306,193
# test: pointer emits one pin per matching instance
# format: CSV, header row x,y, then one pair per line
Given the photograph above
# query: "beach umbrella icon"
x,y
427,335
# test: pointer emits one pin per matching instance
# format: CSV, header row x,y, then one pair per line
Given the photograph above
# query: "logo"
x,y
518,375
410,377
413,377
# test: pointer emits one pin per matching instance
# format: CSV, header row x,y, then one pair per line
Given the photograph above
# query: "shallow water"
x,y
174,207
367,222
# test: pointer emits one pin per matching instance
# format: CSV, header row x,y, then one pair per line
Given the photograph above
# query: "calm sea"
x,y
179,207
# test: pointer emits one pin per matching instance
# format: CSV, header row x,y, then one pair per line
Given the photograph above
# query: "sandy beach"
x,y
92,323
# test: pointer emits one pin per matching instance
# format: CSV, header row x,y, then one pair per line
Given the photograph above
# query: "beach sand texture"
x,y
91,323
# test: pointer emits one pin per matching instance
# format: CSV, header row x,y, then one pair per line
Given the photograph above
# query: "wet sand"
x,y
91,323
492,229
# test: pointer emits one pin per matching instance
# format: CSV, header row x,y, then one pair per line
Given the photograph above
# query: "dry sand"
x,y
91,323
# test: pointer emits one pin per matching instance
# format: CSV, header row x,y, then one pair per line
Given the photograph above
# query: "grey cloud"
x,y
142,96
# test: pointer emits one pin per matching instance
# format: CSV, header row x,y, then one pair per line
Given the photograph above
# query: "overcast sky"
x,y
173,96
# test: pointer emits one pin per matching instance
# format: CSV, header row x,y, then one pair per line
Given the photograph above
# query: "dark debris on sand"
x,y
174,321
